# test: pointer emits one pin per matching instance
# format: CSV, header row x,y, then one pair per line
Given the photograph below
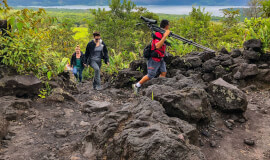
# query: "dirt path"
x,y
257,127
51,130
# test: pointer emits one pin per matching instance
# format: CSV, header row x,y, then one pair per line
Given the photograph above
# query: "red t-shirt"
x,y
160,51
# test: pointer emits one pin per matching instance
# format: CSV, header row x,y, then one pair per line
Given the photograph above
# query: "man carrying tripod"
x,y
156,64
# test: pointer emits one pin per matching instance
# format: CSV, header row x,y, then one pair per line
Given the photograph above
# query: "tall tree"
x,y
254,9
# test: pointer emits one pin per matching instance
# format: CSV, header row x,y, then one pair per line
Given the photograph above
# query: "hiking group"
x,y
96,50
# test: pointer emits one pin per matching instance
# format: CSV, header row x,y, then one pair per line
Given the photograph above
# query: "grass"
x,y
81,33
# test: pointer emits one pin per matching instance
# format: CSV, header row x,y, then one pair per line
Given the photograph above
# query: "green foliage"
x,y
88,73
265,8
37,43
259,28
194,27
118,26
120,61
231,17
46,91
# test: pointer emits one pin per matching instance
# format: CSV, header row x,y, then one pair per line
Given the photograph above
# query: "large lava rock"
x,y
264,75
178,82
251,55
246,70
227,97
126,77
155,90
139,65
210,65
253,45
190,104
141,131
60,95
95,107
193,61
3,127
235,53
10,106
20,86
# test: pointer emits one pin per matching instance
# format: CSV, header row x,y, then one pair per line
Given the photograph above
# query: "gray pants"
x,y
153,67
96,65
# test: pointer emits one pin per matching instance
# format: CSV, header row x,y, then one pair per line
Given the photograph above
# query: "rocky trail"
x,y
210,107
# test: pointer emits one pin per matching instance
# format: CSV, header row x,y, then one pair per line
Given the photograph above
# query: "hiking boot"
x,y
135,89
99,88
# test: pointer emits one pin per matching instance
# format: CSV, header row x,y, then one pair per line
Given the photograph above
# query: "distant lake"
x,y
179,10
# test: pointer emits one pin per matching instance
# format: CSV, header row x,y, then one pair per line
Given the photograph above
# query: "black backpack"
x,y
148,52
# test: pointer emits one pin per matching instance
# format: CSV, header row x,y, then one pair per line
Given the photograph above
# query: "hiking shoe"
x,y
99,88
135,89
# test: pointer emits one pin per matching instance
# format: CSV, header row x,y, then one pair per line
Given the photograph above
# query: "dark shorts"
x,y
153,67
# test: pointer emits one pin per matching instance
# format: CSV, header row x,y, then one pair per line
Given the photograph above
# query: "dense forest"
x,y
138,2
41,42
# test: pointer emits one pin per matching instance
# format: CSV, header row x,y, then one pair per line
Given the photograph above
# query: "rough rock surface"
x,y
59,95
190,104
20,85
10,106
226,96
246,70
95,106
3,127
126,77
253,44
140,131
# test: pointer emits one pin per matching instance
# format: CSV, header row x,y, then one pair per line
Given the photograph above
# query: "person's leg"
x,y
95,66
80,74
152,68
75,72
163,69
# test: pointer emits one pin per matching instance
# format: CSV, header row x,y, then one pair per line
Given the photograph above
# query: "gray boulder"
x,y
155,90
227,97
10,106
235,53
193,61
127,77
190,104
178,82
253,45
263,75
141,131
204,56
59,95
246,70
210,65
251,55
20,85
139,65
224,51
95,107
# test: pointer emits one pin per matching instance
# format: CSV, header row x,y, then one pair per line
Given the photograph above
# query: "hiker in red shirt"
x,y
156,64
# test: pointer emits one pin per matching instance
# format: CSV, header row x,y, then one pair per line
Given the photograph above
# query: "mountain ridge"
x,y
137,2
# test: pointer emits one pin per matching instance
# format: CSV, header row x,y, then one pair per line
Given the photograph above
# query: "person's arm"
x,y
105,51
87,53
83,59
163,39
